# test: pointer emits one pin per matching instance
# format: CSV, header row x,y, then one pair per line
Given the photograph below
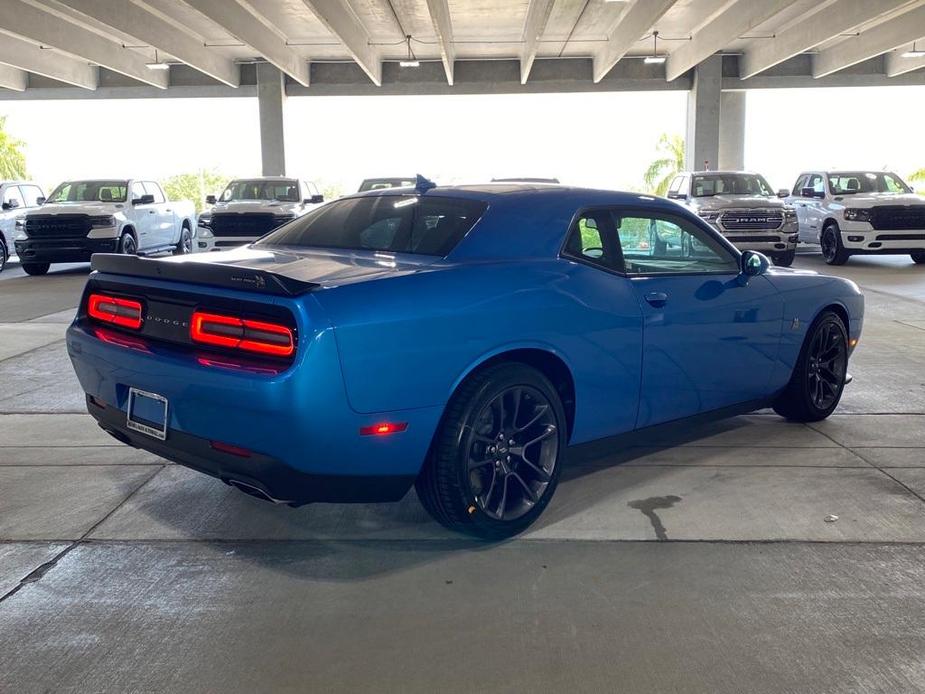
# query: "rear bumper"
x,y
257,474
62,250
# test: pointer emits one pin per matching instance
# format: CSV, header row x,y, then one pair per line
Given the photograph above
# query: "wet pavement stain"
x,y
650,506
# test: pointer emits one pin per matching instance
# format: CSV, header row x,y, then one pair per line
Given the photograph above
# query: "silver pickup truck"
x,y
743,208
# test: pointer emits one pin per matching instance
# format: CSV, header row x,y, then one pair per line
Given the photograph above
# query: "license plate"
x,y
147,413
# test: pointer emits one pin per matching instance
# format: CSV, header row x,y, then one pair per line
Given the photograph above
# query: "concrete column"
x,y
732,131
703,113
271,97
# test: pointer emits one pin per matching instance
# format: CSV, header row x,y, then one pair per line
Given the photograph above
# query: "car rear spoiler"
x,y
210,273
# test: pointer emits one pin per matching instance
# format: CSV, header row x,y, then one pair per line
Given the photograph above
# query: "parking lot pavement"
x,y
119,571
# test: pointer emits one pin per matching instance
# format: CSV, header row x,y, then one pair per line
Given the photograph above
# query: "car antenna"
x,y
422,185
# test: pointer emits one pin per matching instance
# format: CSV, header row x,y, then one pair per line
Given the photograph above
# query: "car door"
x,y
165,227
710,338
799,204
145,218
813,208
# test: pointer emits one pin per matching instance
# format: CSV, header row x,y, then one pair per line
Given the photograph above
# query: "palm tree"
x,y
12,159
660,172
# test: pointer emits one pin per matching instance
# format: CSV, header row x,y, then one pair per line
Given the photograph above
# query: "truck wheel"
x,y
127,244
185,244
496,455
4,255
818,377
833,252
785,259
918,257
35,268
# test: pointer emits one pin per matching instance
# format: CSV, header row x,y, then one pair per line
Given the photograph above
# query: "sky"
x,y
596,139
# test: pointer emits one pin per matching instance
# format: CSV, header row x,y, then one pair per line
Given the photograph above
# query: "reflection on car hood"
x,y
748,202
875,199
327,267
92,208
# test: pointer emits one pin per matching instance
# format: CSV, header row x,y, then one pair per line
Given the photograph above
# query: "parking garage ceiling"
x,y
169,44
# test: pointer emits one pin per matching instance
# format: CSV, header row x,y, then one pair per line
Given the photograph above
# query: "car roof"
x,y
722,172
519,191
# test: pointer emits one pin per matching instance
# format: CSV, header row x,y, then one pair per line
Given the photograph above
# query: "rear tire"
x,y
833,252
497,453
4,254
785,259
35,268
818,378
918,257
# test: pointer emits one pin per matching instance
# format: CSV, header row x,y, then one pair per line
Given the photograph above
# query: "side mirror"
x,y
210,200
40,200
811,193
753,264
677,196
783,193
314,200
143,200
11,205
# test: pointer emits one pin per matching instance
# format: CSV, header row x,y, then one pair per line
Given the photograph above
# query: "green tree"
x,y
12,159
195,186
918,177
671,160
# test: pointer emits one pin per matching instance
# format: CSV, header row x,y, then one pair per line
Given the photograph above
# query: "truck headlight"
x,y
19,230
102,222
204,222
853,214
790,214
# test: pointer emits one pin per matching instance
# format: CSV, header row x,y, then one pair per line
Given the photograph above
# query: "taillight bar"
x,y
242,333
115,310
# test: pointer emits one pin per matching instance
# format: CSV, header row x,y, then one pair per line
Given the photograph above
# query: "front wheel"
x,y
127,244
35,268
785,259
833,252
4,255
818,378
185,244
918,257
496,456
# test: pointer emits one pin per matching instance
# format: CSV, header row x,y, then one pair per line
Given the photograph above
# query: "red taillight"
x,y
241,333
383,428
115,310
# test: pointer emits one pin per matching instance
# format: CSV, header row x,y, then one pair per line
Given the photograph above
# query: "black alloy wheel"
x,y
832,250
127,244
4,255
185,245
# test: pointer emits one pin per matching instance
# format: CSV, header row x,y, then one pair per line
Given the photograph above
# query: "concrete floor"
x,y
703,565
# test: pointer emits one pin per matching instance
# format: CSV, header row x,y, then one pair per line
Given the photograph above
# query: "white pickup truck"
x,y
81,218
859,212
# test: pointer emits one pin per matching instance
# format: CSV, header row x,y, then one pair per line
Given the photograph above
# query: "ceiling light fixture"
x,y
410,61
914,53
157,65
655,58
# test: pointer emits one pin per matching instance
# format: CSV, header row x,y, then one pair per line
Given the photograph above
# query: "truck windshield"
x,y
851,182
704,186
283,190
380,183
89,191
392,223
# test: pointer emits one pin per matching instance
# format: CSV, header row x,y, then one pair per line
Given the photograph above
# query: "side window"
x,y
892,185
12,195
817,183
31,195
138,190
657,244
591,238
799,185
153,189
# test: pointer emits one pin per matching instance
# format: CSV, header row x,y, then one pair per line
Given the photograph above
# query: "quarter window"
x,y
592,239
656,244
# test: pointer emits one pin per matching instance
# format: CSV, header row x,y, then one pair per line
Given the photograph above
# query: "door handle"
x,y
168,210
150,211
657,299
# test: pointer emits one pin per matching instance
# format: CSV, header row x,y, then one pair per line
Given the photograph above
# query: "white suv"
x,y
859,212
18,197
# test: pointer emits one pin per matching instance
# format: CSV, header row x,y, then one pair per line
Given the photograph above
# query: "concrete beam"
x,y
733,22
131,19
703,115
271,99
31,22
11,78
828,22
880,39
636,21
440,16
241,22
538,12
732,131
341,21
47,62
897,65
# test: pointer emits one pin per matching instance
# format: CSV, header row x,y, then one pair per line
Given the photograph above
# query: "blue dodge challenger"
x,y
459,339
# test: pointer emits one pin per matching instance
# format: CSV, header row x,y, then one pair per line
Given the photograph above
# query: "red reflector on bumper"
x,y
230,449
383,428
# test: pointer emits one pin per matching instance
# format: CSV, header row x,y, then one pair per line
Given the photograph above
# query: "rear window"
x,y
392,223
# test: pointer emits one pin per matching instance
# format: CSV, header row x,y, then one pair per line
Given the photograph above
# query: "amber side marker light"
x,y
241,333
115,310
853,342
383,428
